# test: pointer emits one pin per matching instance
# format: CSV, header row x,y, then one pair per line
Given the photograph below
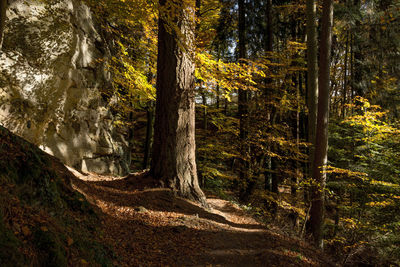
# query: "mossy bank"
x,y
43,221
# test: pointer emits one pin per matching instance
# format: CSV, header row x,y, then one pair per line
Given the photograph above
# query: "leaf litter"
x,y
150,226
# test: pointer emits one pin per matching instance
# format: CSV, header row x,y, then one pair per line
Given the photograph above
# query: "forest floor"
x,y
150,226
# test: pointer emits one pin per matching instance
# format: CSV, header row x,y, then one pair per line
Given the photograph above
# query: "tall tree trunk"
x,y
298,175
352,70
217,89
243,96
3,8
321,144
357,77
270,174
242,106
344,97
268,17
173,160
312,77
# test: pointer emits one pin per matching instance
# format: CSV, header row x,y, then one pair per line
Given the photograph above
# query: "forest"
x,y
200,132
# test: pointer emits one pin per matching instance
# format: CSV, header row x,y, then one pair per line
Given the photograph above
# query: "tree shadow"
x,y
143,191
185,241
180,245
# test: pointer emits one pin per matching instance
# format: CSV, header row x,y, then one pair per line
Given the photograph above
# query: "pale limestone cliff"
x,y
53,71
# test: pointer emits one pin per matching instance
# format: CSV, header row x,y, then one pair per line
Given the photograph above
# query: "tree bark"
x,y
312,77
268,18
3,8
321,144
242,101
357,46
242,107
173,160
149,135
344,96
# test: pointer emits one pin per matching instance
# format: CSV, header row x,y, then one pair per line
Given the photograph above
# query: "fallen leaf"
x,y
44,229
83,261
70,241
25,230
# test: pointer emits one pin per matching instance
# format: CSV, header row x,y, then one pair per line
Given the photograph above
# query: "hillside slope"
x,y
43,221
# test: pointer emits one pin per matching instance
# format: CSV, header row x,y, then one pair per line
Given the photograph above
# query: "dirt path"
x,y
149,226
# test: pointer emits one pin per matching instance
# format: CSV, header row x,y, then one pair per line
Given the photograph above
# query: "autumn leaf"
x,y
26,231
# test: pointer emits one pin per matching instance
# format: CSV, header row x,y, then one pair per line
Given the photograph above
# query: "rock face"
x,y
53,73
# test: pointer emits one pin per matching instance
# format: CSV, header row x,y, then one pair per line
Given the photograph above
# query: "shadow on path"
x,y
150,226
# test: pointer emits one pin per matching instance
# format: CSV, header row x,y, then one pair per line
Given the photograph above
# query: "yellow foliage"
x,y
228,76
381,204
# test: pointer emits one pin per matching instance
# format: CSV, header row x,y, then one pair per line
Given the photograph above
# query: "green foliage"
x,y
366,182
215,154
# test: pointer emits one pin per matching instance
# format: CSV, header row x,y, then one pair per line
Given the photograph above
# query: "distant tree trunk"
x,y
270,174
149,135
3,8
217,89
225,106
204,98
217,96
344,97
312,77
131,136
268,17
321,144
243,96
298,175
352,71
242,107
173,160
357,77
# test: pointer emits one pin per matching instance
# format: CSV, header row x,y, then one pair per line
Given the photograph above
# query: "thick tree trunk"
x,y
321,144
3,8
173,160
312,77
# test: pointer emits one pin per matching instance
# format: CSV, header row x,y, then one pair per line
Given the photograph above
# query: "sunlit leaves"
x,y
365,179
370,119
229,76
